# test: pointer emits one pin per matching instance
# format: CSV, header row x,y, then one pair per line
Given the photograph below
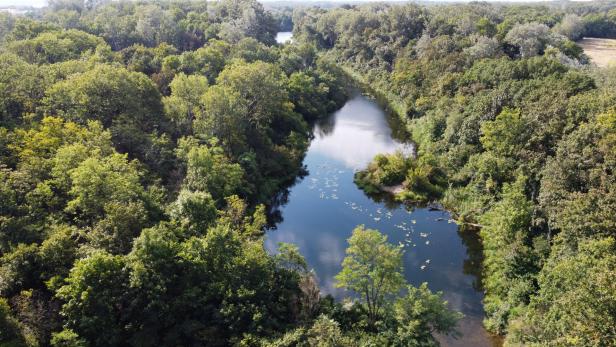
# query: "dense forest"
x,y
144,144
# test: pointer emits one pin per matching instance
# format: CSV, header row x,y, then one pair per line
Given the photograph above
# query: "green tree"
x,y
104,94
509,258
194,210
505,134
58,252
19,269
57,46
578,191
186,93
67,338
99,181
10,330
262,86
223,115
20,89
94,299
576,301
209,170
530,38
245,18
37,146
420,313
326,332
126,102
372,268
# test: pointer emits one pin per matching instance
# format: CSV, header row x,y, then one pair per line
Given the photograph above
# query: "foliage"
x,y
575,301
530,38
571,26
372,268
10,333
93,298
509,254
419,179
53,47
419,313
181,105
209,170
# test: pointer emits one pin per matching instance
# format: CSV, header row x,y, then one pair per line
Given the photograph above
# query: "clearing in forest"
x,y
602,52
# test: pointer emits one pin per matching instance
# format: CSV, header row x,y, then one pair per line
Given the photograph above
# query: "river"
x,y
324,206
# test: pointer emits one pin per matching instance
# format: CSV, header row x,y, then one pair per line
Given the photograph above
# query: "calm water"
x,y
284,36
324,207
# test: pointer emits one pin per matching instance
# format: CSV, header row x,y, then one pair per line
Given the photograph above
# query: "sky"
x,y
36,3
40,3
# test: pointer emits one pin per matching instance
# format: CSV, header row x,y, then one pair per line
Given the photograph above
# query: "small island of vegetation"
x,y
409,179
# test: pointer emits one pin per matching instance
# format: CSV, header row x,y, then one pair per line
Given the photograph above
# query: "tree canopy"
x,y
142,142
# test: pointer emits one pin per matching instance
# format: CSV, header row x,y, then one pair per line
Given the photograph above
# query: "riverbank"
x,y
387,100
397,108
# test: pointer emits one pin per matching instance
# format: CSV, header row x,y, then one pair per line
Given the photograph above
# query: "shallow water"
x,y
324,206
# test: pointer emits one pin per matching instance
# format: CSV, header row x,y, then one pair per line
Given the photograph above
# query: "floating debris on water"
x,y
422,267
427,242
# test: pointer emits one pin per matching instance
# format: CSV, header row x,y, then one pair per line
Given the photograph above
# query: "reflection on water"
x,y
355,134
284,36
322,209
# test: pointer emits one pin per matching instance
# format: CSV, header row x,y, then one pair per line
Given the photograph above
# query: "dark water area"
x,y
323,208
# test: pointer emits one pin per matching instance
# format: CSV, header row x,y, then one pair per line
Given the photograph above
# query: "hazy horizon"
x,y
41,3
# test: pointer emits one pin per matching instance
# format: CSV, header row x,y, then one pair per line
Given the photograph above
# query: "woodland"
x,y
143,145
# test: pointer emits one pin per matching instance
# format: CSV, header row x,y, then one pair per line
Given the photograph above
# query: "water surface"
x,y
325,206
284,36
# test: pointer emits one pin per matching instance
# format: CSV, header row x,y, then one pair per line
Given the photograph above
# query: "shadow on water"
x,y
473,264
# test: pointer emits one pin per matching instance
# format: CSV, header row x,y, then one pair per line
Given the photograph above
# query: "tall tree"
x,y
372,268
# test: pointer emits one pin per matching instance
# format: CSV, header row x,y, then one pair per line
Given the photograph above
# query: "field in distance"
x,y
602,52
